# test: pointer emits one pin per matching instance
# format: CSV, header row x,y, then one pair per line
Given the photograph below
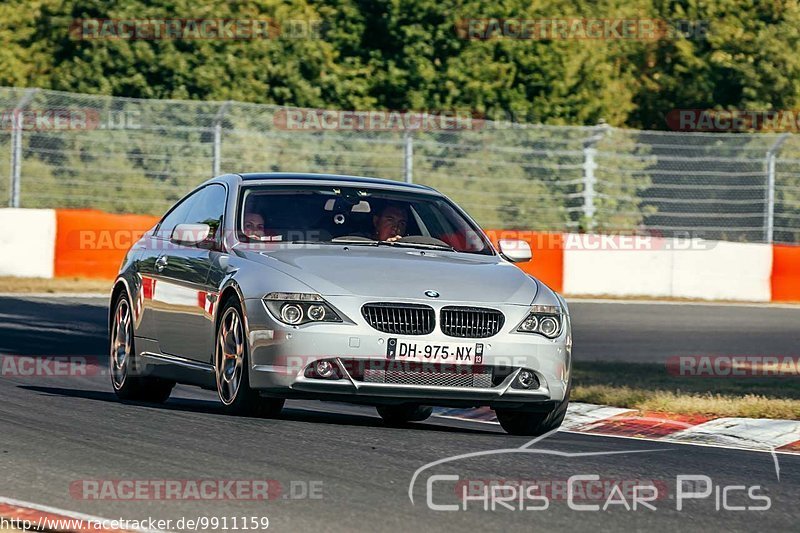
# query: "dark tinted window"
x,y
208,208
325,214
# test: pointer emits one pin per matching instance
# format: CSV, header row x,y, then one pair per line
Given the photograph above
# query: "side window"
x,y
208,209
176,216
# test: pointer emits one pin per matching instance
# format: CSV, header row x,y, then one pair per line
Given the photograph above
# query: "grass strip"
x,y
10,284
649,387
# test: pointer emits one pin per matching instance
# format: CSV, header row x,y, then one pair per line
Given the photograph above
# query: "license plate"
x,y
434,352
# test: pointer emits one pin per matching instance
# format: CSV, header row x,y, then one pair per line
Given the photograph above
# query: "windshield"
x,y
360,216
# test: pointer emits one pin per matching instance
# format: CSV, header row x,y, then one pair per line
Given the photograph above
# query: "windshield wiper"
x,y
424,246
334,242
354,239
366,241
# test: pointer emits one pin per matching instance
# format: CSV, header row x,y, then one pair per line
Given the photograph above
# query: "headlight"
x,y
545,320
316,312
300,308
291,313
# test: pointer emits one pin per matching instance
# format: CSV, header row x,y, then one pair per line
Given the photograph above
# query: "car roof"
x,y
259,176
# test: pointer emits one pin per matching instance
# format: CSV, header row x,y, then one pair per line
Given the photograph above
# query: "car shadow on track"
x,y
289,413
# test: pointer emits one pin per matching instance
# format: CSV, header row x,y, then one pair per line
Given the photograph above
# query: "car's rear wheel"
x,y
123,366
231,363
397,415
521,422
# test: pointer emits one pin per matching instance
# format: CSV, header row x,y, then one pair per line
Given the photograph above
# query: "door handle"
x,y
161,262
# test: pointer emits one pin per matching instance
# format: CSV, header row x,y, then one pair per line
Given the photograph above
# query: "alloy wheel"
x,y
230,356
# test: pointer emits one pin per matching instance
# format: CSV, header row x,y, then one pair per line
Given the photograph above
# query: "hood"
x,y
395,273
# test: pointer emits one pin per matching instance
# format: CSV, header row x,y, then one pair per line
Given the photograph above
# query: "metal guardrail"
x,y
140,156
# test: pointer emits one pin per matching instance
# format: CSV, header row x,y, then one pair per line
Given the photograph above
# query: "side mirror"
x,y
190,234
515,251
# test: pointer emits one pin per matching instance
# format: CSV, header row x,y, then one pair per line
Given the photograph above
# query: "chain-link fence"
x,y
128,155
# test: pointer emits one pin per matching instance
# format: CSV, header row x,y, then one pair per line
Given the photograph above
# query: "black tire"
x,y
243,401
126,376
519,422
398,415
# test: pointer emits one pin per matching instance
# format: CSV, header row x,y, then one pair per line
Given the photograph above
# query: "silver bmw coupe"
x,y
265,287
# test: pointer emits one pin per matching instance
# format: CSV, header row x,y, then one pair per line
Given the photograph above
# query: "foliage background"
x,y
406,54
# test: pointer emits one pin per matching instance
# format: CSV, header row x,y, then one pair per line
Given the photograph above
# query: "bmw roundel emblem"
x,y
431,294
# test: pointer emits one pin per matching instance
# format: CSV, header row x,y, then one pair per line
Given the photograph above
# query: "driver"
x,y
391,222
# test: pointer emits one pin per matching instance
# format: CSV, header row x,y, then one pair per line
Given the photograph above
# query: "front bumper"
x,y
280,354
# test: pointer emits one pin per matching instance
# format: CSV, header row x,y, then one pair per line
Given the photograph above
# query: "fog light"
x,y
291,313
325,369
527,380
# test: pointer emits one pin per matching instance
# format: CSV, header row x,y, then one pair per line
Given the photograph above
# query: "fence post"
x,y
16,148
769,214
408,160
217,149
589,180
589,167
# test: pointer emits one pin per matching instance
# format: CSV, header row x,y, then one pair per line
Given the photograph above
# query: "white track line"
x,y
709,303
68,514
58,295
664,439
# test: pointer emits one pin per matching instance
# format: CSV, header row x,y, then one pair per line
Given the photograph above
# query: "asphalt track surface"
x,y
56,431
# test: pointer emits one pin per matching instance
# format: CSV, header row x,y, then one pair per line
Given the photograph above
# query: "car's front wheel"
x,y
397,415
520,422
231,365
123,366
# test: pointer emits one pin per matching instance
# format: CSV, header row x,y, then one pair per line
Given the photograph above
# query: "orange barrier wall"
x,y
548,254
91,244
785,273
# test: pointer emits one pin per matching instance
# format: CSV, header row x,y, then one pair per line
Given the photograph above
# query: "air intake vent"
x,y
427,377
471,322
400,319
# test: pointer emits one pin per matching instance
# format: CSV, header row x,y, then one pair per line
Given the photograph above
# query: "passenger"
x,y
391,223
254,225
